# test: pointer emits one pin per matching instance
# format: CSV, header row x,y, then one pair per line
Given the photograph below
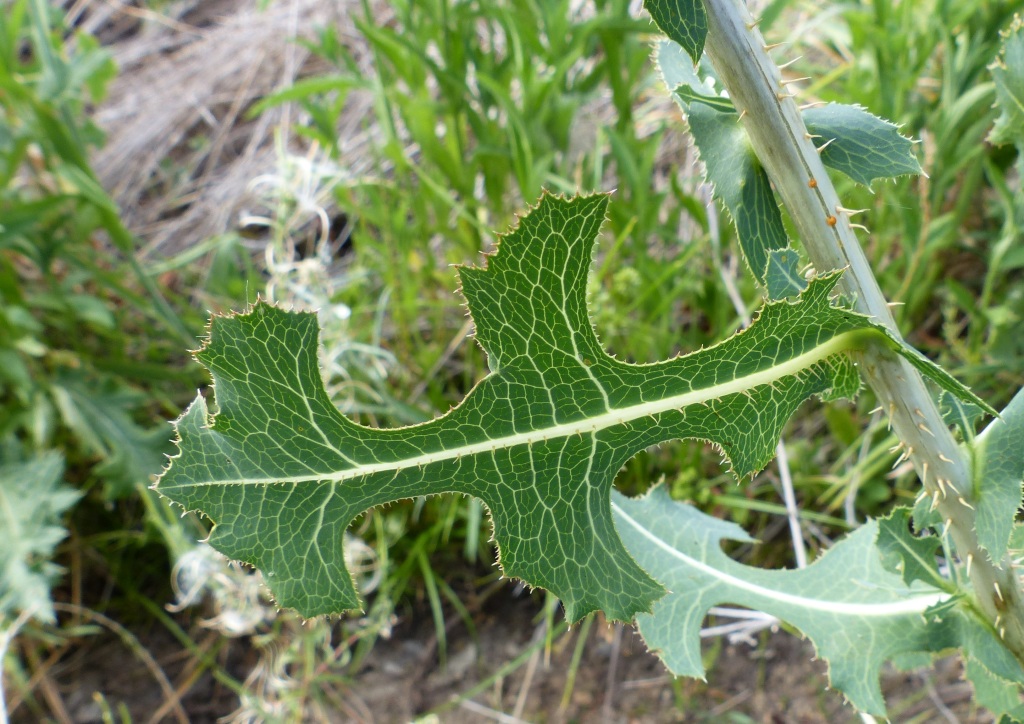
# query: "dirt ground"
x,y
620,681
776,682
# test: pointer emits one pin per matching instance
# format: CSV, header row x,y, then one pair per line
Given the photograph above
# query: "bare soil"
x,y
620,681
402,679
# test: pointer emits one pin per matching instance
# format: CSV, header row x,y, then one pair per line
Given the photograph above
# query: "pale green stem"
x,y
784,146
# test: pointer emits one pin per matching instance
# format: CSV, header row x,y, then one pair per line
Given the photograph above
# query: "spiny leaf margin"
x,y
857,613
860,144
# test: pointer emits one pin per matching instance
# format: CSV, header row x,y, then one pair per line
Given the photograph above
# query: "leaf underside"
x,y
857,613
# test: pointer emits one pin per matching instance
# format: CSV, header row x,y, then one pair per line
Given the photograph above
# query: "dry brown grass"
x,y
181,150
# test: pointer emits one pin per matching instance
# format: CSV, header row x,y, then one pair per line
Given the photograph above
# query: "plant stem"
x,y
779,137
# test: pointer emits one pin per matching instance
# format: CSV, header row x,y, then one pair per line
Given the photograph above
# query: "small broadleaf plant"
x,y
282,473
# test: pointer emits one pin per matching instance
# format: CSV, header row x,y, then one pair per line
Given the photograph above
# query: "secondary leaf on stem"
x,y
857,613
782,274
860,144
912,556
1000,697
733,170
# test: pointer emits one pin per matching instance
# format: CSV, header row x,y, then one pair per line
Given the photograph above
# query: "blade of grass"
x,y
574,664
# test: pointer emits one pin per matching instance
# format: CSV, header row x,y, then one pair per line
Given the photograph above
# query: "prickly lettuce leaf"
x,y
857,613
962,415
995,673
999,474
1000,697
99,413
912,556
732,167
782,275
860,144
282,473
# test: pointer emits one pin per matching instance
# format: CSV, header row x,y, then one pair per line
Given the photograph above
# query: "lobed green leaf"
x,y
782,275
962,415
1000,697
32,500
857,613
99,413
732,167
282,473
861,145
912,556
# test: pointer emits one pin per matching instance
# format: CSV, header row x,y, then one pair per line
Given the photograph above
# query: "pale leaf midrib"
x,y
915,605
589,425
